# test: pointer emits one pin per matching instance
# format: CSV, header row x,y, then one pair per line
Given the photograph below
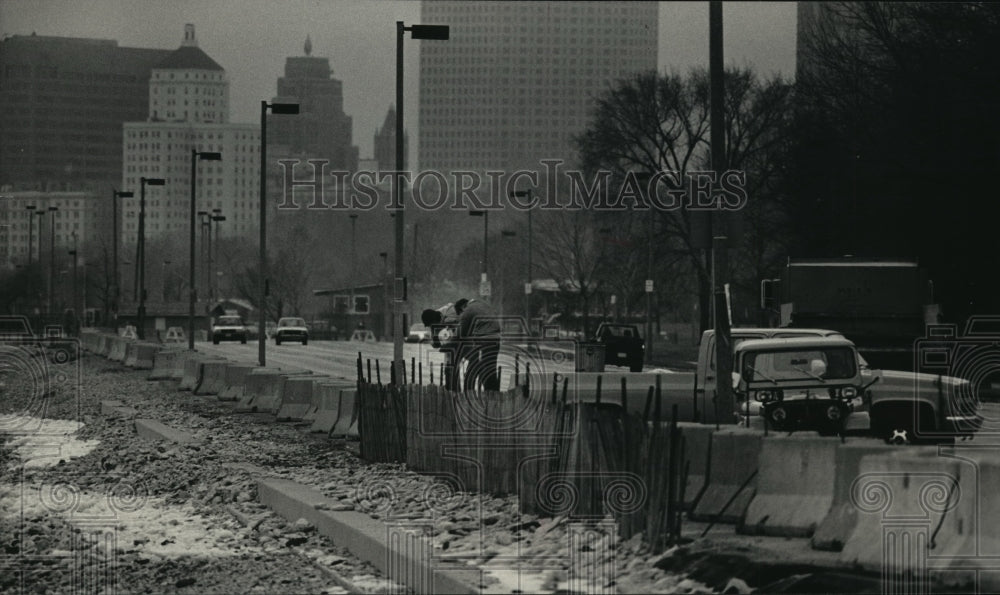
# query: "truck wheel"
x,y
305,341
243,341
277,341
215,340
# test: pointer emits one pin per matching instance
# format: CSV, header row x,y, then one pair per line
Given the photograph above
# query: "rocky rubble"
x,y
208,489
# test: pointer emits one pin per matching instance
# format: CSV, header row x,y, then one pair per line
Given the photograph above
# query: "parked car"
x,y
418,334
229,328
291,329
623,346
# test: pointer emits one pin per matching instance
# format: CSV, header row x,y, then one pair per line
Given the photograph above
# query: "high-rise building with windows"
x,y
515,82
62,104
321,129
188,110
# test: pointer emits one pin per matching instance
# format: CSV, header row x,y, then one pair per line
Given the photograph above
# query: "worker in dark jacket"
x,y
479,344
443,324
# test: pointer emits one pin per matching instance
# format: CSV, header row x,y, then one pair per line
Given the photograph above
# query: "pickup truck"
x,y
901,406
623,346
804,383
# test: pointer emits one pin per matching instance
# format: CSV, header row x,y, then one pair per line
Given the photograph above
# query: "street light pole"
x,y
503,285
115,240
440,32
483,273
192,292
141,313
276,108
354,264
527,286
218,217
73,253
31,226
52,253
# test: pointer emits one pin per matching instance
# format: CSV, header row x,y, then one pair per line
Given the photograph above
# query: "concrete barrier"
x,y
104,345
347,420
795,484
326,405
675,389
917,511
297,397
129,359
697,448
118,349
168,364
213,377
140,355
262,389
840,521
731,476
234,378
192,375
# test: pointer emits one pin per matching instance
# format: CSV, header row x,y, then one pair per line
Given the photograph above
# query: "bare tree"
x,y
652,123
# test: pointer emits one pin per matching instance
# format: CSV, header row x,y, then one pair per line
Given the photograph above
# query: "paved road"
x,y
338,359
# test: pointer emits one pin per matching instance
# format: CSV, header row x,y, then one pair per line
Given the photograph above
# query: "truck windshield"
x,y
822,364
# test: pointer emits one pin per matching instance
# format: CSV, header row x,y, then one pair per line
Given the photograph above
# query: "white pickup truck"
x,y
897,406
901,406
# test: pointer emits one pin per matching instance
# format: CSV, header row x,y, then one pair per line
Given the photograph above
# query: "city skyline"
x,y
360,43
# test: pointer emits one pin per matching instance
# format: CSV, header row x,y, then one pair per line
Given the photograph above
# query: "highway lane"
x,y
338,359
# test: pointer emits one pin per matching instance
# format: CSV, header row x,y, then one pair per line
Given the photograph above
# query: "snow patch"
x,y
41,443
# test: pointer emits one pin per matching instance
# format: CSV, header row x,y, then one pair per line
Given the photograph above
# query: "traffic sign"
x,y
484,289
527,289
649,286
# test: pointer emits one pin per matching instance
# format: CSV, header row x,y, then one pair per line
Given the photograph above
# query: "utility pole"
x,y
724,403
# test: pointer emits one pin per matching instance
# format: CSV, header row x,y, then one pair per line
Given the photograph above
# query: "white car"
x,y
418,334
229,328
291,329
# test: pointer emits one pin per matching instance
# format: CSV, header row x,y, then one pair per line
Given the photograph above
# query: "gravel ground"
x,y
93,506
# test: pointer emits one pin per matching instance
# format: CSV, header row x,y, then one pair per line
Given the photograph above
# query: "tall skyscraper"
x,y
62,104
515,81
321,130
189,109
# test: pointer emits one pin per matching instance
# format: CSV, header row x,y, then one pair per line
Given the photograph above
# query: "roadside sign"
x,y
175,334
649,286
527,289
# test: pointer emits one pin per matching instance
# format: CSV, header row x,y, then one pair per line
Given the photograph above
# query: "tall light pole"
x,y
504,234
440,32
354,262
484,289
192,292
73,253
527,286
276,108
163,277
52,253
386,315
31,226
201,227
141,313
115,240
213,261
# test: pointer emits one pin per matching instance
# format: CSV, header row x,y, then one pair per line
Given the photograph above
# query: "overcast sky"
x,y
252,38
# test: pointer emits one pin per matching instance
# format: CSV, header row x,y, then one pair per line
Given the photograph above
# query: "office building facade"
x,y
514,83
188,109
